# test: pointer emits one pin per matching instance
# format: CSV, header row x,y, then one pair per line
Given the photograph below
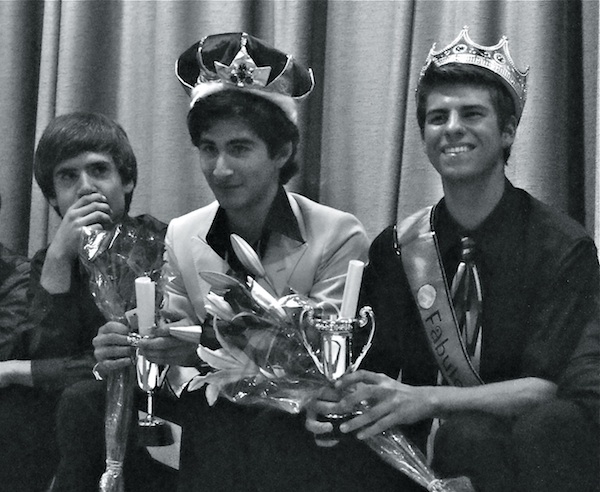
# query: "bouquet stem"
x,y
119,402
395,449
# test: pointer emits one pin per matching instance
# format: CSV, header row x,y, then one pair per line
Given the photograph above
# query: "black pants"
x,y
235,448
551,448
80,435
28,456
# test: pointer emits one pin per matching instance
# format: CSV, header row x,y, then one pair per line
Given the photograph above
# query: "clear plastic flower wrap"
x,y
267,357
262,358
114,258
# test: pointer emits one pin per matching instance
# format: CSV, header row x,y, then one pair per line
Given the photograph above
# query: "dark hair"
x,y
267,120
460,73
72,134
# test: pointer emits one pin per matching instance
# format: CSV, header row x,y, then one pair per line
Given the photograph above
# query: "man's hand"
x,y
91,211
383,401
162,348
112,347
15,372
316,422
88,211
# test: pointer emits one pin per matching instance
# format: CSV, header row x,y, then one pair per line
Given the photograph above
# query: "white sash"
x,y
417,243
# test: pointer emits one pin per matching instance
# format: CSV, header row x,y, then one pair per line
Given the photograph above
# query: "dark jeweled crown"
x,y
241,61
495,58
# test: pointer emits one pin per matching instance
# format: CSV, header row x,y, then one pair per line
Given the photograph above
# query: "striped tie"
x,y
467,297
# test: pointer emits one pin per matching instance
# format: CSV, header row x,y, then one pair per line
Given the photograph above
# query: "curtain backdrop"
x,y
361,149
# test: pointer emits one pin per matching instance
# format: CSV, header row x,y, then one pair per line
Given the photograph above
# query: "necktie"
x,y
468,300
467,297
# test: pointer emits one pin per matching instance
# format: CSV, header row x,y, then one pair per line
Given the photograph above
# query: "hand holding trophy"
x,y
150,376
334,356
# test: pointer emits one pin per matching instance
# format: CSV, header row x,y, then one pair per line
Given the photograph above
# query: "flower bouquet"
x,y
267,355
114,259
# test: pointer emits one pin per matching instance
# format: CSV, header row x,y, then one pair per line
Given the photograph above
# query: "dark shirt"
x,y
63,325
14,281
540,278
580,381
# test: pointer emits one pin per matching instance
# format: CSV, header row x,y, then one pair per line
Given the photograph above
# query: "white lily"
x,y
218,307
186,333
249,258
230,365
265,300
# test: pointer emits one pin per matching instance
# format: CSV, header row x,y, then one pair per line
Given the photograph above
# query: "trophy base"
x,y
152,432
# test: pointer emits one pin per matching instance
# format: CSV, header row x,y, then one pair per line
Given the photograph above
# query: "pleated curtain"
x,y
361,150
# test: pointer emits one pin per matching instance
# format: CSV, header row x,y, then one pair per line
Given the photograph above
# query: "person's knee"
x,y
475,445
559,421
470,430
557,448
81,406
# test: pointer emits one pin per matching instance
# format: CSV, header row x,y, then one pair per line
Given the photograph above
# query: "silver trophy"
x,y
334,356
150,376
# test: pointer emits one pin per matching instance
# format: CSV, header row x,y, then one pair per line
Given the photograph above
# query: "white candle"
x,y
144,295
352,289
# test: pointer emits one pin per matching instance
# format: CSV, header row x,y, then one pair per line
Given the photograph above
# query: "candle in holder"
x,y
145,298
352,289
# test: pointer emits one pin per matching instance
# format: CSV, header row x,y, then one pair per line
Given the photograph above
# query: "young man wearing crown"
x,y
243,120
487,369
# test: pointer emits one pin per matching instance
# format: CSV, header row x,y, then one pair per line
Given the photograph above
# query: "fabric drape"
x,y
361,149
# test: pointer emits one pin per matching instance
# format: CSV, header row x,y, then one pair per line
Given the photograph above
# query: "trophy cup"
x,y
334,358
150,376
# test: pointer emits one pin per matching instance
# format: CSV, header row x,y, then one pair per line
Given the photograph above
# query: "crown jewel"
x,y
242,71
494,58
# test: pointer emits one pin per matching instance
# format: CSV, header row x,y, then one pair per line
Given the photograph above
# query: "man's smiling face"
x,y
461,134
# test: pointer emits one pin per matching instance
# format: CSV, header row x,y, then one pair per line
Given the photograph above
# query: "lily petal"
x,y
247,256
218,307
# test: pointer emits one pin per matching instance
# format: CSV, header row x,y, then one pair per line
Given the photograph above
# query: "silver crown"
x,y
495,58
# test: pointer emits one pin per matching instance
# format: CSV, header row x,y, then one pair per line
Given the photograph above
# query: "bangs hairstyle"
x,y
264,118
72,134
464,74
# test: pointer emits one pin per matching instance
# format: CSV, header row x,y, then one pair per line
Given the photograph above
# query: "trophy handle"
x,y
365,314
307,313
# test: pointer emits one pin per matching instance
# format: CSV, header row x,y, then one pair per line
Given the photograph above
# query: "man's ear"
x,y
284,154
128,187
54,204
509,132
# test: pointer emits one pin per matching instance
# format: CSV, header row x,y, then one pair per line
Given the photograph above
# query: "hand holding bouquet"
x,y
271,354
114,259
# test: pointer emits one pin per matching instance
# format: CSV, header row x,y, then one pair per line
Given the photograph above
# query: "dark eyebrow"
x,y
436,111
241,141
474,106
64,169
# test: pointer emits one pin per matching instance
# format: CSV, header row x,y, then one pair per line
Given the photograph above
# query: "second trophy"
x,y
150,376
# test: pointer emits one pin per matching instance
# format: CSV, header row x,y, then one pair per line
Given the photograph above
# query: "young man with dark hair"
x,y
484,352
87,171
243,120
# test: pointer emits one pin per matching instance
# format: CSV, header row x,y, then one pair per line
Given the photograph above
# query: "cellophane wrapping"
x,y
114,258
263,359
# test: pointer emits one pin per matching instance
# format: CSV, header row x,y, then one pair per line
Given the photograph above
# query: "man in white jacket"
x,y
243,120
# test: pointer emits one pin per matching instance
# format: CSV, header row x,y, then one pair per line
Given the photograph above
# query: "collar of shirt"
x,y
280,219
496,225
